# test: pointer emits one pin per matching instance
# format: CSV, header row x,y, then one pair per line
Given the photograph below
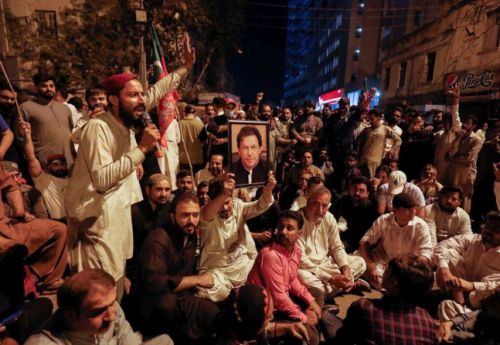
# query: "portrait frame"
x,y
236,164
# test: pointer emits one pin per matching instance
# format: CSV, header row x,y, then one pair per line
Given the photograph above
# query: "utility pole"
x,y
141,18
3,27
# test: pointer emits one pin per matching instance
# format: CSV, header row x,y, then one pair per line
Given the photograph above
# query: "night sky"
x,y
260,67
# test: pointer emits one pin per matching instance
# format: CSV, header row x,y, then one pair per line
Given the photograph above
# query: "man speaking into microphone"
x,y
104,184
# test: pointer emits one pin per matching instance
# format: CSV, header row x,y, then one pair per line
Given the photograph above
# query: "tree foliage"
x,y
99,37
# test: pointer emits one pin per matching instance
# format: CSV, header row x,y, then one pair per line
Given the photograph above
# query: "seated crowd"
x,y
161,250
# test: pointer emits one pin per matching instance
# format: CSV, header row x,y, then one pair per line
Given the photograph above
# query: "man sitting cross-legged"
x,y
392,235
325,266
469,267
276,269
169,277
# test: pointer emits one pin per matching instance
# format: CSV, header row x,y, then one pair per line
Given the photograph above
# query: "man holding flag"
x,y
170,135
103,182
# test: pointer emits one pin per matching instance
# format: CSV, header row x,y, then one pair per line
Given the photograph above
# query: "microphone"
x,y
146,121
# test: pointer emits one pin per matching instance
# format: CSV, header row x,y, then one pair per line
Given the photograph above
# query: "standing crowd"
x,y
159,250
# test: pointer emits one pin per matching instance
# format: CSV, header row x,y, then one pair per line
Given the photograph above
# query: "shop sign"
x,y
473,81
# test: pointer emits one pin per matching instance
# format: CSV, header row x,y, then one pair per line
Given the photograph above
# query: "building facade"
x,y
332,48
42,16
441,44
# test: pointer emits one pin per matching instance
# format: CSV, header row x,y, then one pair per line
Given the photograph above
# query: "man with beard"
x,y
202,193
355,212
149,213
184,183
217,129
325,266
214,169
469,268
228,250
97,102
51,182
462,157
308,129
89,314
276,270
104,185
7,120
169,277
371,143
9,114
445,218
51,121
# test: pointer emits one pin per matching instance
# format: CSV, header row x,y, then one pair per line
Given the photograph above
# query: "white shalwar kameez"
x,y
228,250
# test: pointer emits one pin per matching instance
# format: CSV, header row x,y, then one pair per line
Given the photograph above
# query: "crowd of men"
x,y
144,249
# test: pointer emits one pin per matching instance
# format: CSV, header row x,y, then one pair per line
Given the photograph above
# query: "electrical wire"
x,y
336,9
323,30
320,17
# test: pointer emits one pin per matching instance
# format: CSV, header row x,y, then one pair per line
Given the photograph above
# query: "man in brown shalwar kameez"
x,y
45,239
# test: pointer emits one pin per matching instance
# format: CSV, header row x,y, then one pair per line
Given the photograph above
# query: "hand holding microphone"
x,y
150,136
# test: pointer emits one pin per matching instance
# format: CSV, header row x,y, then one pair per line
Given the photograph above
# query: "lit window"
x,y
355,56
361,6
358,32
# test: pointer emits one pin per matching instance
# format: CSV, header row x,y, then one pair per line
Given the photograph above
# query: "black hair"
x,y
94,90
185,196
297,216
452,189
413,275
42,77
403,200
77,102
182,174
248,131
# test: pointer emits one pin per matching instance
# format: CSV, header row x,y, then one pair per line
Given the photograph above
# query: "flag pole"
x,y
141,19
6,77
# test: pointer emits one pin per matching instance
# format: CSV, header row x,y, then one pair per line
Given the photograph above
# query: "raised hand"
x,y
454,91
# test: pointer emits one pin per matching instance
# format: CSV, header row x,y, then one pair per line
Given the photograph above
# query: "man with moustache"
x,y
147,214
276,269
325,266
214,169
228,250
7,121
469,268
169,277
88,313
202,193
104,185
445,217
355,212
9,151
51,121
52,181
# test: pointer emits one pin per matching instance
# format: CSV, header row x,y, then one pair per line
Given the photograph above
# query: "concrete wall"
x,y
457,38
